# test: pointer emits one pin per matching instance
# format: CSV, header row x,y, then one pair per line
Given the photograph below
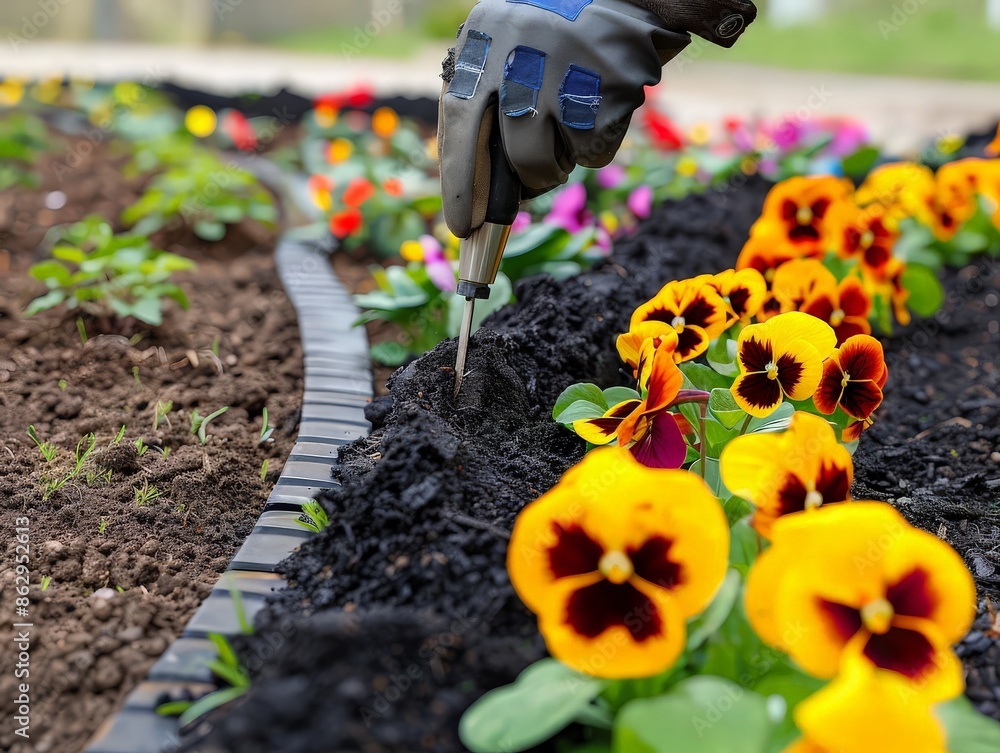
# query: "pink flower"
x,y
439,269
569,209
787,133
640,202
521,223
611,176
848,138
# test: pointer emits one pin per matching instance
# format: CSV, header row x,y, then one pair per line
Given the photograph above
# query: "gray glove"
x,y
562,78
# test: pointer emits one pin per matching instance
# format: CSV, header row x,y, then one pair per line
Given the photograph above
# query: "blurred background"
x,y
935,38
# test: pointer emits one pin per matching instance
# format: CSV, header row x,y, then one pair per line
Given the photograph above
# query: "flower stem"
x,y
703,408
746,425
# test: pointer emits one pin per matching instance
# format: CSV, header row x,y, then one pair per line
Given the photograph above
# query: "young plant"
x,y
266,430
199,424
141,447
145,494
161,413
228,668
202,193
263,471
102,527
103,274
313,517
48,450
24,138
46,581
119,436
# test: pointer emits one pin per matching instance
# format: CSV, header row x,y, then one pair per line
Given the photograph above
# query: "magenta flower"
x,y
787,133
439,269
640,202
848,138
569,209
521,223
611,177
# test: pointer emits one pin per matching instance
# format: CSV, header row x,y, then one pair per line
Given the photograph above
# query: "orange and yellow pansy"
x,y
865,710
745,293
853,378
645,426
798,470
782,357
858,582
867,235
614,559
692,308
959,184
795,218
630,345
808,286
903,189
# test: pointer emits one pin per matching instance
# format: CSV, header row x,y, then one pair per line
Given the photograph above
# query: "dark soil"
x,y
420,526
126,578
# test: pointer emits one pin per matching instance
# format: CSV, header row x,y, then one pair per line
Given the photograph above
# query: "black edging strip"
x,y
338,384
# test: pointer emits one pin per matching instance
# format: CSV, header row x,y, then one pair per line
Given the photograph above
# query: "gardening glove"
x,y
562,79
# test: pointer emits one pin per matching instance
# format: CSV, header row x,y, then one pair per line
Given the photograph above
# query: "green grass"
x,y
941,39
349,43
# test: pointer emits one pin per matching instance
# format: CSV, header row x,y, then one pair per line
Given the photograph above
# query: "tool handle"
x,y
505,186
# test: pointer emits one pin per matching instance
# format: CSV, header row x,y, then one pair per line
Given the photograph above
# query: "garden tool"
x,y
480,254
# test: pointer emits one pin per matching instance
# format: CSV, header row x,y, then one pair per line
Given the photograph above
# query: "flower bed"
x,y
405,601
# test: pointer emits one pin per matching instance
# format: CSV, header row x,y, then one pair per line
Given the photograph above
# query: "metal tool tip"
x,y
463,342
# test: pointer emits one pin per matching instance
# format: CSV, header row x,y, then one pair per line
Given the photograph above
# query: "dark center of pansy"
x,y
574,553
593,609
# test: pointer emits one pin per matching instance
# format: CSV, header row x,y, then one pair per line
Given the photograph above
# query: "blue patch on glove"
x,y
522,78
568,9
470,64
580,98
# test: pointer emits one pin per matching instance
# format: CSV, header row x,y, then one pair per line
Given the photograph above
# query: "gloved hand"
x,y
563,78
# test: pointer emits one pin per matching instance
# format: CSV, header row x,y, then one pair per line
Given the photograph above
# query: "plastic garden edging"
x,y
338,384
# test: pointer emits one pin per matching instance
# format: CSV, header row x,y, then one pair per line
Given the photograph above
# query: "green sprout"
x,y
263,470
135,376
46,580
102,527
141,447
82,329
47,449
313,517
121,435
199,424
146,493
84,448
63,384
266,430
162,413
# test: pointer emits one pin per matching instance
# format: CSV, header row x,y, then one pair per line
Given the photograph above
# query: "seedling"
x,y
162,413
199,424
99,273
227,667
141,447
146,493
263,470
47,449
313,517
63,384
102,527
46,580
135,376
23,139
121,435
266,430
82,329
165,452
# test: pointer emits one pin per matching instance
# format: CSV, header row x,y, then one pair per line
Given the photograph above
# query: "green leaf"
x,y
578,411
777,421
590,393
702,714
50,300
967,730
544,700
210,231
721,356
52,273
861,162
209,703
712,476
389,353
704,378
744,545
148,310
708,622
725,409
926,293
615,395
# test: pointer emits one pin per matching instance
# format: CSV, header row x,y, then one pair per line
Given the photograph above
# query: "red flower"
x,y
359,97
238,128
393,186
853,378
358,191
662,131
346,223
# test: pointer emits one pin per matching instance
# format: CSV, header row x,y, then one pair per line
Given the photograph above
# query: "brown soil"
x,y
124,578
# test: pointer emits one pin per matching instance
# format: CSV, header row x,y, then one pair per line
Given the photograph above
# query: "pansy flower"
x,y
853,378
904,189
692,308
782,357
959,184
744,292
865,710
798,280
796,213
320,191
429,250
614,559
640,201
798,470
858,582
569,209
867,234
347,222
339,150
645,426
631,344
845,308
358,191
385,122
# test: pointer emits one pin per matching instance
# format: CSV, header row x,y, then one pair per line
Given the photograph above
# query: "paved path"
x,y
902,113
